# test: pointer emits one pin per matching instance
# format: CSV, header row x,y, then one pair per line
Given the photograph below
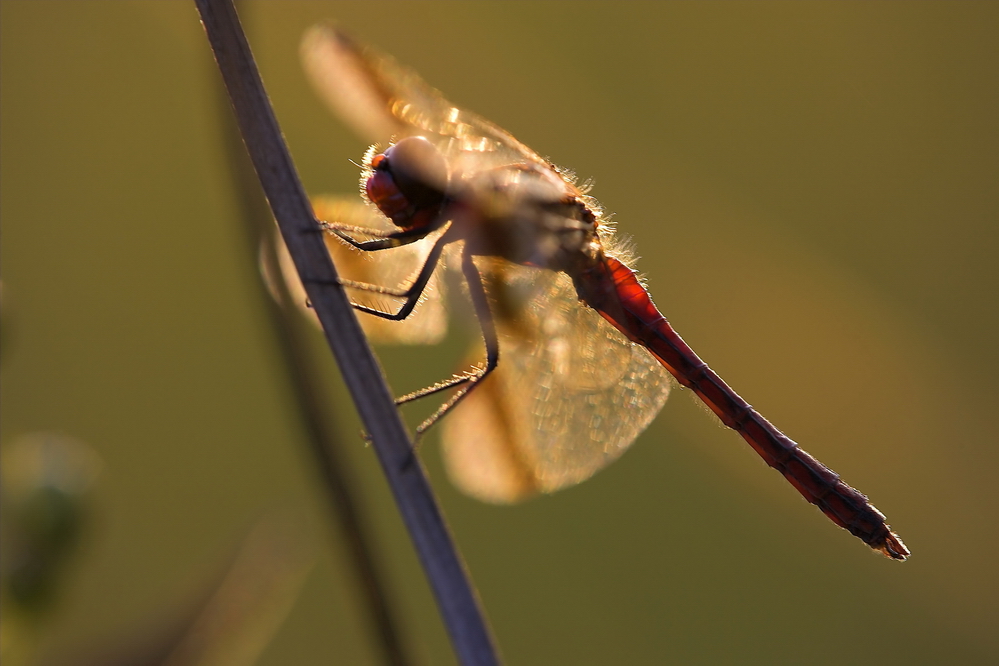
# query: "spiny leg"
x,y
470,380
386,240
411,294
380,239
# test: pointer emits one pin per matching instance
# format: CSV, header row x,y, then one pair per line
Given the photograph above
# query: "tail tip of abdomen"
x,y
892,546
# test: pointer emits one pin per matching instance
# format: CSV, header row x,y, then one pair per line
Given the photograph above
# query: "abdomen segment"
x,y
612,289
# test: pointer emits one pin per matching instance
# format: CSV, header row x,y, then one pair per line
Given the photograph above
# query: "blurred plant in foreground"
x,y
46,479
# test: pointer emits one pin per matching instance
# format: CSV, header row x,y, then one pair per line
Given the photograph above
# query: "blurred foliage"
x,y
45,481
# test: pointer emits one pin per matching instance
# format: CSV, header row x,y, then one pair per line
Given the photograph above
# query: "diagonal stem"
x,y
314,409
459,606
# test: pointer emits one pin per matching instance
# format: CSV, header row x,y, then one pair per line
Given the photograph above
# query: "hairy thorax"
x,y
526,215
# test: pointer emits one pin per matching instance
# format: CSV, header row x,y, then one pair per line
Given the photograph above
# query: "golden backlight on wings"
x,y
550,415
577,358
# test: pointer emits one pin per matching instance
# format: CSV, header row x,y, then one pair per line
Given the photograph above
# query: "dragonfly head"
x,y
407,179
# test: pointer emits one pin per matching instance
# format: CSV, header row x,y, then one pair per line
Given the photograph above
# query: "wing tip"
x,y
350,78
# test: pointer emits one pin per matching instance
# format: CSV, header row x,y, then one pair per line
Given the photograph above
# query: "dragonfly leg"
x,y
380,240
471,379
411,294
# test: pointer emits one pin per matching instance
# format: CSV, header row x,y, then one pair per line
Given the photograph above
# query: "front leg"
x,y
411,295
380,239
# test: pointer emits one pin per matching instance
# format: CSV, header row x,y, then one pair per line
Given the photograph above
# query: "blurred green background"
x,y
814,190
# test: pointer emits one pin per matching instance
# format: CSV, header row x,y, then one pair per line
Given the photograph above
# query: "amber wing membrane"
x,y
569,395
384,101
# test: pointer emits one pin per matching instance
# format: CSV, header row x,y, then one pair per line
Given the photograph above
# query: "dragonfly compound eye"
x,y
419,171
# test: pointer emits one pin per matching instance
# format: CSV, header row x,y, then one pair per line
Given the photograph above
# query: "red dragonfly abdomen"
x,y
613,290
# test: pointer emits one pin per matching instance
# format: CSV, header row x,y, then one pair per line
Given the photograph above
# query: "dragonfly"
x,y
578,358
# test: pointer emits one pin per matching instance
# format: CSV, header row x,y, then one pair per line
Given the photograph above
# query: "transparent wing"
x,y
569,395
392,268
385,101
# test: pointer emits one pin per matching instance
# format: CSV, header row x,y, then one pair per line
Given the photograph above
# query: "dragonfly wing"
x,y
391,268
569,395
384,101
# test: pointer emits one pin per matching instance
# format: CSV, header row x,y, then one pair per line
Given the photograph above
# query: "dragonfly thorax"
x,y
526,215
521,212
